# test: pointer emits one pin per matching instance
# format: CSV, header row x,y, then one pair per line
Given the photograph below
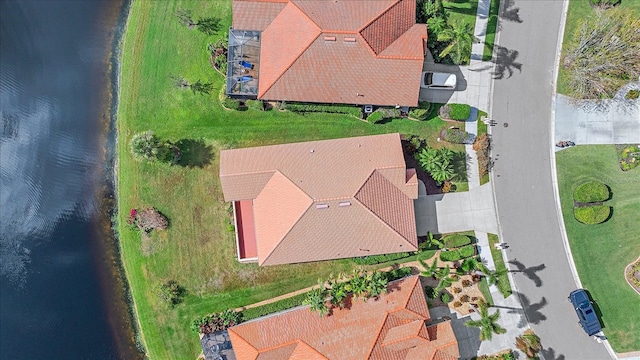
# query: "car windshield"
x,y
428,78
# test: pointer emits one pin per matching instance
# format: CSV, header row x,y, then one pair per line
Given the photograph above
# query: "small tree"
x,y
184,17
488,323
171,292
529,343
147,146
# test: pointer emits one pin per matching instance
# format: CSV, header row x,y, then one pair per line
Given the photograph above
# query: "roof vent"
x,y
311,150
350,39
329,38
322,206
345,203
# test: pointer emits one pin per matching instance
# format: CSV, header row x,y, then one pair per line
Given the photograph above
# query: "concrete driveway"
x,y
453,212
597,122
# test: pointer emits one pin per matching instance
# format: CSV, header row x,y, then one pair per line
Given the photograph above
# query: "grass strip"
x,y
503,280
492,29
483,285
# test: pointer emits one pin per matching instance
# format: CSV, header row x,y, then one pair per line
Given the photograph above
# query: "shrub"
x,y
374,117
216,322
456,240
274,307
398,273
464,298
445,297
377,259
171,292
592,214
467,251
459,112
334,109
457,304
147,146
255,104
231,104
419,114
632,94
482,146
450,255
389,113
149,219
457,136
592,191
446,186
457,290
427,254
604,4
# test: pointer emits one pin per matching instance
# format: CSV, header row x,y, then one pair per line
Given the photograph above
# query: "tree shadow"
x,y
550,354
459,164
529,272
194,153
505,61
511,13
528,312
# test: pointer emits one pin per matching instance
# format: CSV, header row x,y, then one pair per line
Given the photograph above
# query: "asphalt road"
x,y
522,103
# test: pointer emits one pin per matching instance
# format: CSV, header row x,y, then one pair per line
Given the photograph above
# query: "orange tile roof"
x,y
375,329
325,199
375,57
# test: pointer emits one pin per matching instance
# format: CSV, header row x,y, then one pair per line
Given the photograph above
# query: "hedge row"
x,y
335,109
592,191
378,259
456,240
274,307
592,214
459,112
457,254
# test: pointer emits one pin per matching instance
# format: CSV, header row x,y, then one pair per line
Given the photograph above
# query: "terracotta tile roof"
x,y
254,14
325,199
375,57
367,330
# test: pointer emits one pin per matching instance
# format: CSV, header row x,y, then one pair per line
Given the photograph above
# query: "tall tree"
x,y
459,36
488,322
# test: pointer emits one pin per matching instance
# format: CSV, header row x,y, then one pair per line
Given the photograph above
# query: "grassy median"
x,y
602,251
198,251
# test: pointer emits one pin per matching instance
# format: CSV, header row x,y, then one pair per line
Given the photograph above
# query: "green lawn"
x,y
492,28
602,251
503,280
580,9
197,250
462,11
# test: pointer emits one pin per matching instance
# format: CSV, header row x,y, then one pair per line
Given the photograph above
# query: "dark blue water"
x,y
61,293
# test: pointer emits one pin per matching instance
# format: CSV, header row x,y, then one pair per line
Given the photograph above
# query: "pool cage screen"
x,y
243,63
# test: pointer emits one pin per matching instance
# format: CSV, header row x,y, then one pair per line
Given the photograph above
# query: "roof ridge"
x,y
311,347
303,50
231,329
297,220
407,337
250,173
377,334
277,346
396,2
413,288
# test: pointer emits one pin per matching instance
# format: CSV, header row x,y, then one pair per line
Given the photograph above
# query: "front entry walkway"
x,y
453,212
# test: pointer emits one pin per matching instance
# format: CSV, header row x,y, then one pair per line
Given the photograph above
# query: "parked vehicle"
x,y
438,80
586,315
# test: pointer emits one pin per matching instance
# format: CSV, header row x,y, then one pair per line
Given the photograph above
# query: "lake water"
x,y
61,292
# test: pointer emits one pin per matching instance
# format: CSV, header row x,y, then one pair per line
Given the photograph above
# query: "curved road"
x,y
522,98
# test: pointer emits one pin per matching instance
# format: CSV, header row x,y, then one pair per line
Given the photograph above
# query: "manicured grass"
x,y
462,11
197,250
483,285
602,251
578,10
492,28
503,280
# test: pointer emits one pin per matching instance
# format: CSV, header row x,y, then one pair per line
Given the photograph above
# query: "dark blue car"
x,y
584,308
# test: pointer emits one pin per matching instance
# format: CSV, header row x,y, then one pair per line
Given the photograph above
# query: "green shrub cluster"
x,y
459,112
430,292
255,104
378,259
398,273
445,297
592,214
592,191
457,136
280,305
456,240
230,103
422,112
632,94
629,156
457,254
334,109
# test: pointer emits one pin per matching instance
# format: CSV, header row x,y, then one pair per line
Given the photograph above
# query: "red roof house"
x,y
396,326
321,200
327,51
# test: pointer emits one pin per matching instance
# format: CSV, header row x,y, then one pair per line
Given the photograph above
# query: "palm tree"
x,y
429,270
441,172
434,242
529,343
444,283
460,37
317,299
469,265
487,323
442,273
